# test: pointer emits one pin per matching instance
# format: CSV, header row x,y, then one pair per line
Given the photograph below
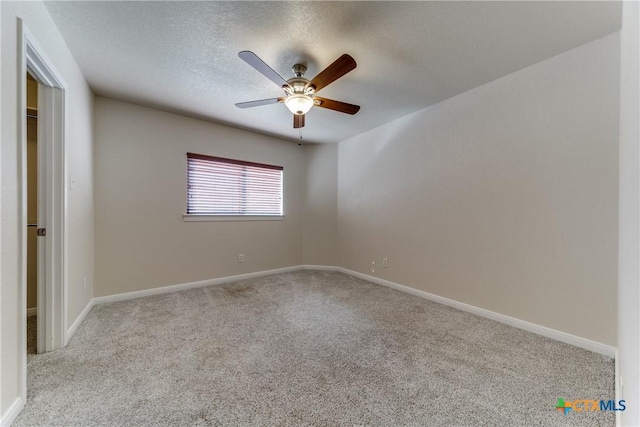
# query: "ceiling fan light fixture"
x,y
300,93
298,103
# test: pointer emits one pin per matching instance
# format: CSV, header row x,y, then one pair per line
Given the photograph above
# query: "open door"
x,y
50,219
41,345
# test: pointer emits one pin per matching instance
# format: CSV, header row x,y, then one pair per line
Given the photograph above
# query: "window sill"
x,y
228,218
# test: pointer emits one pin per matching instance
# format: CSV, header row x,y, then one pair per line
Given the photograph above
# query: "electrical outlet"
x,y
373,266
84,284
240,257
385,262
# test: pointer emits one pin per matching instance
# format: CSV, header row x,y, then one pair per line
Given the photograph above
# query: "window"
x,y
217,186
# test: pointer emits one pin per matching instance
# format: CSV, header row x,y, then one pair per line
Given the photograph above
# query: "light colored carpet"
x,y
307,348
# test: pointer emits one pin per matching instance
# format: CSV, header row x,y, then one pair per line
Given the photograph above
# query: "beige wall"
x,y
504,197
142,240
629,234
320,209
80,201
78,157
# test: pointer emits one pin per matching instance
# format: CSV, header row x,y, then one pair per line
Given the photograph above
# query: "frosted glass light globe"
x,y
299,104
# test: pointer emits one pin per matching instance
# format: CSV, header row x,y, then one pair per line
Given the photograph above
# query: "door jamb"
x,y
31,57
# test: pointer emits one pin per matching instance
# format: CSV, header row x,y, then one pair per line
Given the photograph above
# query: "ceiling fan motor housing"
x,y
299,85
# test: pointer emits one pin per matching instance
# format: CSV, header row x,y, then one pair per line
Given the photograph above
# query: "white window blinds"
x,y
218,186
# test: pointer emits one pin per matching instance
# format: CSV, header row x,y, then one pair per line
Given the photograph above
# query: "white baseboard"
x,y
190,285
33,311
318,267
574,340
12,413
72,330
512,321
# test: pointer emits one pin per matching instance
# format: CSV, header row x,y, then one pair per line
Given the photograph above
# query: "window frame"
x,y
200,217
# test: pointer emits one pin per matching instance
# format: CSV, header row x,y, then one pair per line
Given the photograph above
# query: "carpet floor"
x,y
307,348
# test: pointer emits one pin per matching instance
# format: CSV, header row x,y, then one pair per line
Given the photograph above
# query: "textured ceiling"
x,y
183,56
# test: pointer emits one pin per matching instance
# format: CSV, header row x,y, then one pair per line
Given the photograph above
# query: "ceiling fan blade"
x,y
342,107
333,72
298,121
259,102
257,63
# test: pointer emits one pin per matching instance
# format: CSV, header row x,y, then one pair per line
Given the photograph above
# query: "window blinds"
x,y
218,186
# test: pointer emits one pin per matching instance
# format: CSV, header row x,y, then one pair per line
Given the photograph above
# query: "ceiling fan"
x,y
300,93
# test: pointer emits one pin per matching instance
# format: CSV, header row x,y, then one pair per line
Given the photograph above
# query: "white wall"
x,y
78,157
6,336
142,240
504,197
80,201
319,244
629,235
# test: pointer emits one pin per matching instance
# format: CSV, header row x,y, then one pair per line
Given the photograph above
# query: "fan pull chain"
x,y
300,132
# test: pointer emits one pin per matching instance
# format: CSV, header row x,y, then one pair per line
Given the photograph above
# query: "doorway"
x,y
49,120
32,214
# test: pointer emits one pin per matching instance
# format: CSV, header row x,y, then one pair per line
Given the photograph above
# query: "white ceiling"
x,y
182,56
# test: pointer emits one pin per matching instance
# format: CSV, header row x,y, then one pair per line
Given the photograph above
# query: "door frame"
x,y
52,300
